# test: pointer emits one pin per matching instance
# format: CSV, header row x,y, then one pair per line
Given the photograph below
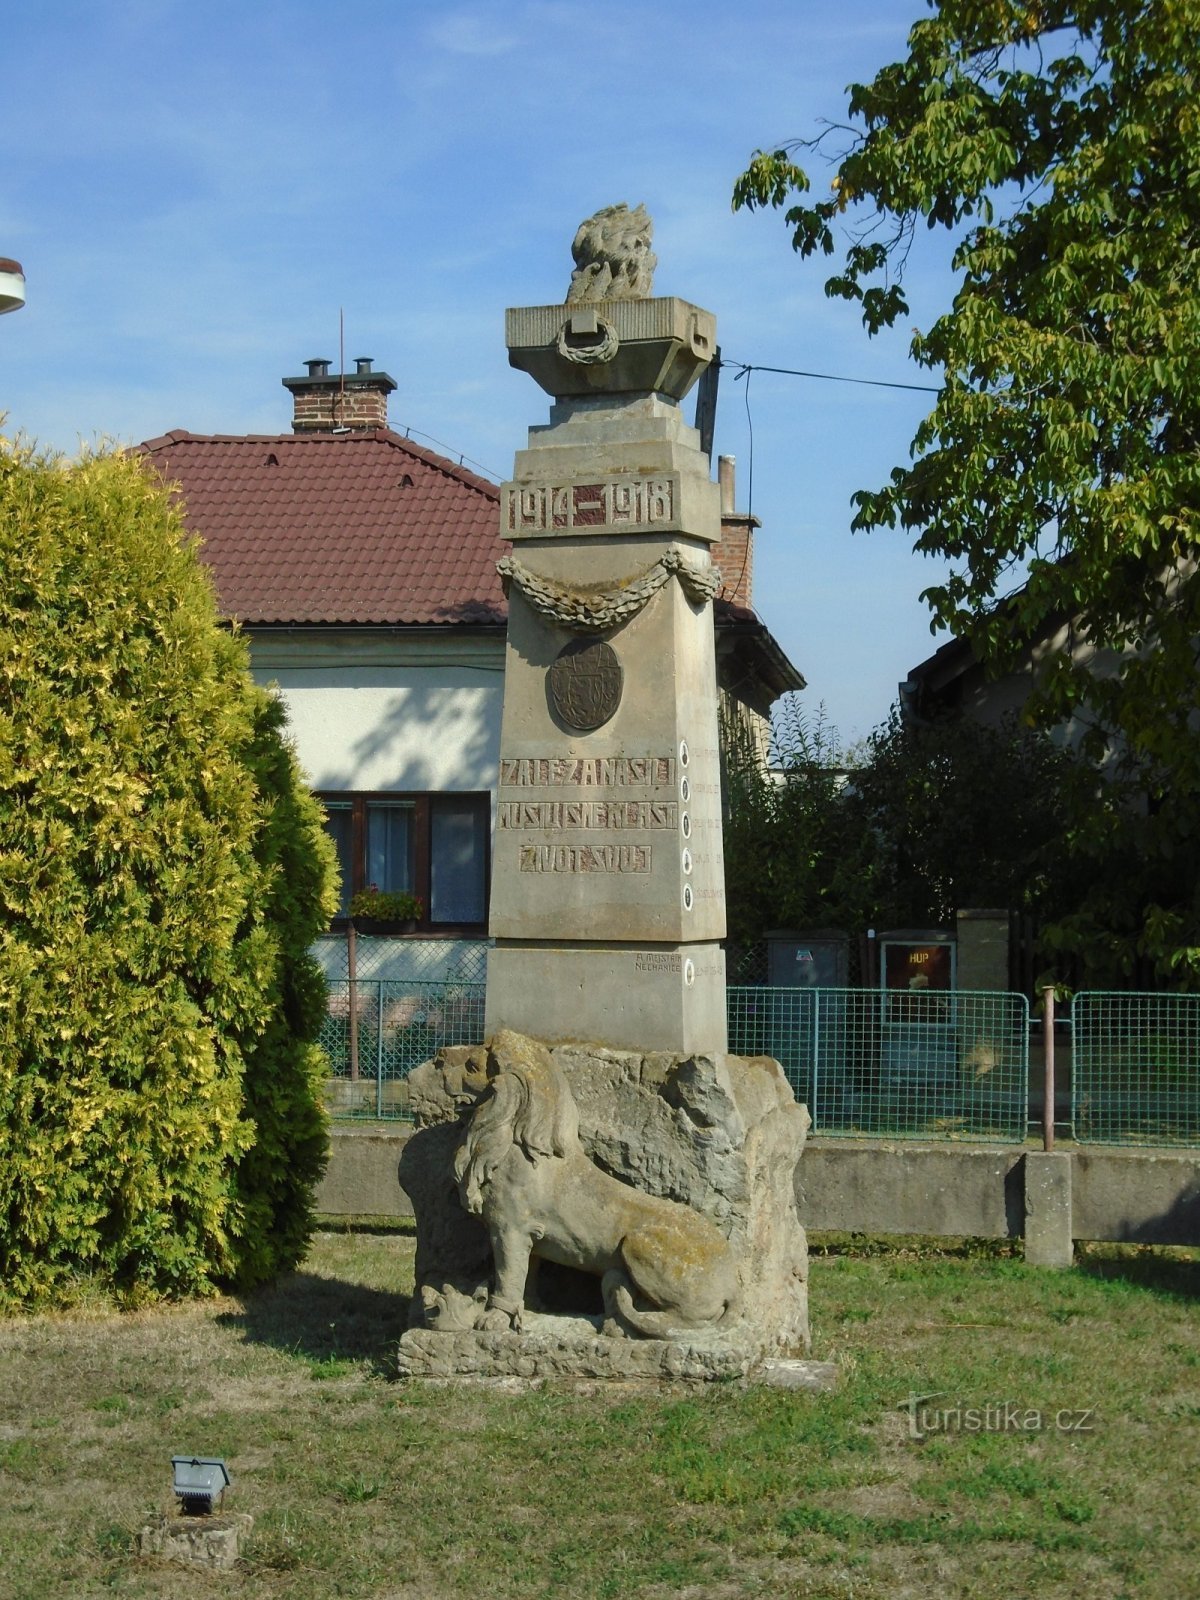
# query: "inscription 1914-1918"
x,y
619,502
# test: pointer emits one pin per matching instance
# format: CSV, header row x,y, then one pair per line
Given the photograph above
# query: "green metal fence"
x,y
864,1061
904,1065
396,1025
1135,1072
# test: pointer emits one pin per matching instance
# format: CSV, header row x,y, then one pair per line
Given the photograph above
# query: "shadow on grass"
x,y
373,1226
1171,1271
912,1246
324,1320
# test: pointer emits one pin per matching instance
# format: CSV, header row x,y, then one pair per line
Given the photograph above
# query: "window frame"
x,y
422,802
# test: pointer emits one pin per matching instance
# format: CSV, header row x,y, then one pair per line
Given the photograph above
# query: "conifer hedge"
x,y
163,872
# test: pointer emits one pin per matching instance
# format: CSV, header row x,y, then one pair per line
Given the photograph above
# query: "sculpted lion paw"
x,y
494,1320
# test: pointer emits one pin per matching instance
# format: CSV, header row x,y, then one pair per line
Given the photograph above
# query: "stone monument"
x,y
601,1189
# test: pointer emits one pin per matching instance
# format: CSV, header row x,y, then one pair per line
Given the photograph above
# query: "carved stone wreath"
x,y
597,610
603,348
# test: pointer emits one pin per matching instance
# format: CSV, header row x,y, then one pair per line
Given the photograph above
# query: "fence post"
x,y
352,970
812,1110
1048,1053
379,1051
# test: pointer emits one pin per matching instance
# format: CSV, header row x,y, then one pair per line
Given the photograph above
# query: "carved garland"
x,y
598,610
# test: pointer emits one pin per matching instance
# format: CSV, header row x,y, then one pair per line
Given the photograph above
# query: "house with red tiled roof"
x,y
362,568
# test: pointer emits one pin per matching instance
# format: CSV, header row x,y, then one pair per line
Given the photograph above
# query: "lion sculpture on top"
x,y
522,1169
613,259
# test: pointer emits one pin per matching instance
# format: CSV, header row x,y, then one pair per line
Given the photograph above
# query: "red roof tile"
x,y
360,529
365,529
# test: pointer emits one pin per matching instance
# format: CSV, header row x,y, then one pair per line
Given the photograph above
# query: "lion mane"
x,y
522,1168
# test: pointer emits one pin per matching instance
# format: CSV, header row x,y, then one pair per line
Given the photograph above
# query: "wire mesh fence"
x,y
747,963
905,1065
408,959
865,1061
377,1031
1135,1075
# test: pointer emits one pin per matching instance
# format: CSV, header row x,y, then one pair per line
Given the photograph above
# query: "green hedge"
x,y
162,873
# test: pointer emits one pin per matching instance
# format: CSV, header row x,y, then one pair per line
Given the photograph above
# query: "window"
x,y
435,845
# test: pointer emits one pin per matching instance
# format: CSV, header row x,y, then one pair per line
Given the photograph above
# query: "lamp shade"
x,y
12,285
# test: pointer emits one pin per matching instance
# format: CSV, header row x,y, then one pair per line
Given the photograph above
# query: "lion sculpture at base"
x,y
663,1268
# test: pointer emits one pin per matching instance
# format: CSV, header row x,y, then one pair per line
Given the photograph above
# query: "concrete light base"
x,y
210,1542
1048,1209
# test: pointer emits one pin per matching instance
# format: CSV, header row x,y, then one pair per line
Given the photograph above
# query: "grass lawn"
x,y
365,1486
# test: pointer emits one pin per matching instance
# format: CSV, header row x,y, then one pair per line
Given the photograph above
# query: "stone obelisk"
x,y
608,901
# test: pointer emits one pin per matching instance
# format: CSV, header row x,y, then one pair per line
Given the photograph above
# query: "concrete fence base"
x,y
859,1186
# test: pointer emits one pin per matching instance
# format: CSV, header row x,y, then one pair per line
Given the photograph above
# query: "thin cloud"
x,y
470,33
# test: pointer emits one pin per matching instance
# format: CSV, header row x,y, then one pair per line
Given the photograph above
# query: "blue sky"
x,y
196,187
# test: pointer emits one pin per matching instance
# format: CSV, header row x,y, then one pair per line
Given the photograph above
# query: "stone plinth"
x,y
648,997
569,1347
661,345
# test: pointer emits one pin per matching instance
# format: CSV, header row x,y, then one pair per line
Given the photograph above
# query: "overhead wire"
x,y
740,370
744,369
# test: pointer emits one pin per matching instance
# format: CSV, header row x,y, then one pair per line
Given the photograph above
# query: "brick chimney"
x,y
734,554
339,402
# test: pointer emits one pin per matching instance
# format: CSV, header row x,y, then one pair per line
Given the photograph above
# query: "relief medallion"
x,y
584,684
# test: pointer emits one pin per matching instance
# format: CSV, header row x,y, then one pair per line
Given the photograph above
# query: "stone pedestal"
x,y
654,997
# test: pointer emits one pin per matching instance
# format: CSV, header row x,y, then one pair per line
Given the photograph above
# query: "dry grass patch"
x,y
366,1487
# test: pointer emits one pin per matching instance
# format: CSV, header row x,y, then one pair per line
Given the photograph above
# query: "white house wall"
x,y
389,713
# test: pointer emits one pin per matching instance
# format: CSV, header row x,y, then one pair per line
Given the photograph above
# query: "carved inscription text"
x,y
657,961
585,858
601,772
615,502
607,814
591,800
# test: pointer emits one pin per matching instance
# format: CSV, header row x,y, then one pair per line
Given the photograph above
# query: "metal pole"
x,y
1048,1053
812,1110
379,1051
352,968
